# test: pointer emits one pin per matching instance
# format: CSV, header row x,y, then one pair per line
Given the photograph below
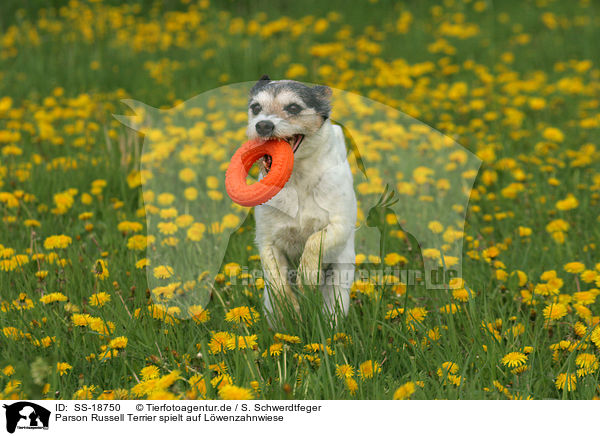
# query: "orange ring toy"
x,y
263,190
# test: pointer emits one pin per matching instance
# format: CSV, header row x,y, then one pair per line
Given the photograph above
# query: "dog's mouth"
x,y
294,141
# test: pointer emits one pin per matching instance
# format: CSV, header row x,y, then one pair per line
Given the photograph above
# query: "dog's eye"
x,y
255,108
293,108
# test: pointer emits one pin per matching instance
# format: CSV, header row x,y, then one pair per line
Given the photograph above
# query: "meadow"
x,y
517,83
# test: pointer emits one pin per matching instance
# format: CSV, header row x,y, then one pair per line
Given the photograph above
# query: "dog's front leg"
x,y
328,240
276,268
309,269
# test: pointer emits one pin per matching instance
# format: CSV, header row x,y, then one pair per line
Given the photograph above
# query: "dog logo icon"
x,y
26,415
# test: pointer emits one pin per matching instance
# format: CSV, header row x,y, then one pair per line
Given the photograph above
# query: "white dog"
x,y
310,223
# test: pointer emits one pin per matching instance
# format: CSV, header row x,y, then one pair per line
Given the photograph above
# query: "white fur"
x,y
312,219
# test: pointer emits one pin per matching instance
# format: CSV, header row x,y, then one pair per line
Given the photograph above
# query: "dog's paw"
x,y
309,270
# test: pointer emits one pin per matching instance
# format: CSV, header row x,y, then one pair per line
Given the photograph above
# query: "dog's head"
x,y
288,110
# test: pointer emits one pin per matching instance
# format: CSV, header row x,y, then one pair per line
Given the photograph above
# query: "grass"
x,y
514,82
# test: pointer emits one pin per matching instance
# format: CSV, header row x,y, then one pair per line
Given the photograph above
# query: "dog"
x,y
310,223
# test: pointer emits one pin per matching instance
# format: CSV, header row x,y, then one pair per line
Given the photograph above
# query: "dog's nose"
x,y
265,128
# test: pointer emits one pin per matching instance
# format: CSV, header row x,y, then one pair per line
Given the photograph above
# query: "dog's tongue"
x,y
295,143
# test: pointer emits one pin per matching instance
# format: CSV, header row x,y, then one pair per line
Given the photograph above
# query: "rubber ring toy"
x,y
282,164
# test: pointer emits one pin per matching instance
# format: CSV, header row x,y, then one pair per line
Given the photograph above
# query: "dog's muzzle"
x,y
265,128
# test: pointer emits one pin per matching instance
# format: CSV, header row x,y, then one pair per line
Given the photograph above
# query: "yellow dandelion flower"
x,y
99,299
129,226
57,241
184,220
462,294
525,231
351,385
120,342
149,372
196,232
566,381
449,308
187,175
142,263
100,269
52,297
62,368
344,371
85,393
220,342
296,70
392,259
514,359
555,311
405,391
212,182
167,228
199,314
553,134
232,269
574,267
242,314
137,242
231,392
190,193
287,338
231,221
415,316
81,320
394,313
519,369
595,336
587,361
447,368
273,350
246,342
558,225
435,227
368,369
165,199
162,272
589,276
569,203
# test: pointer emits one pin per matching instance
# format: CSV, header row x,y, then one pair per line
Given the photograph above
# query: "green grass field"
x,y
517,83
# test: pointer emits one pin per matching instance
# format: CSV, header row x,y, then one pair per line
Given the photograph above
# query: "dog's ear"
x,y
264,80
322,91
323,96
